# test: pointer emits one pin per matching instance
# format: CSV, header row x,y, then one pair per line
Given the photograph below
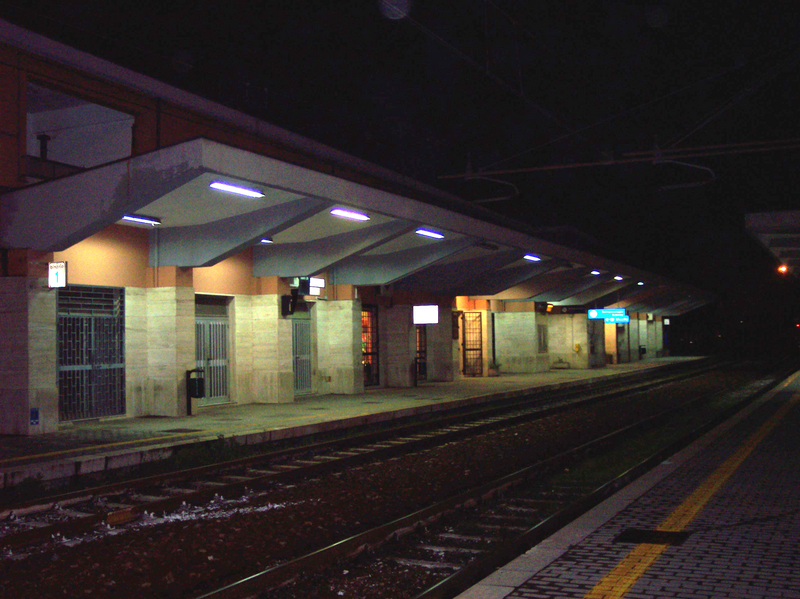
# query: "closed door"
x,y
211,354
301,352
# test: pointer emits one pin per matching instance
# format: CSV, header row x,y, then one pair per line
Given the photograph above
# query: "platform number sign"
x,y
57,274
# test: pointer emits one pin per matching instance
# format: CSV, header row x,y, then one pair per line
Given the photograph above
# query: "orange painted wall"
x,y
233,276
117,256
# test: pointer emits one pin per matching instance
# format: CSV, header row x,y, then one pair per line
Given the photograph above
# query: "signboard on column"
x,y
612,316
56,274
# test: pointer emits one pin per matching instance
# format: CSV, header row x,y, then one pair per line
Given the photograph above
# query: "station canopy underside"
x,y
201,226
779,232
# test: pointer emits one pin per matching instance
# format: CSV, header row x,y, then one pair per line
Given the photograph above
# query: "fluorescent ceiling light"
x,y
431,234
349,214
352,215
640,283
237,189
532,258
595,272
617,278
267,240
145,220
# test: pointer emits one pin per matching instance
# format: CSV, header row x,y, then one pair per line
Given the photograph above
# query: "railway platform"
x,y
720,519
89,447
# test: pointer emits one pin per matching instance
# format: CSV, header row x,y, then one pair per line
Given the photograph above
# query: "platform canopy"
x,y
779,232
294,233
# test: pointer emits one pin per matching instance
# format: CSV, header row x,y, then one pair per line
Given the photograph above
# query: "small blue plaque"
x,y
34,416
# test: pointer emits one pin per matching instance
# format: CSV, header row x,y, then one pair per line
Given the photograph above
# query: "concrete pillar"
x,y
611,349
138,386
633,336
171,347
28,359
440,347
624,343
398,337
338,334
240,361
596,332
643,335
272,368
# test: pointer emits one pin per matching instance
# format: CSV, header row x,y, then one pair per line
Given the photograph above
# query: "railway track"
x,y
76,513
467,536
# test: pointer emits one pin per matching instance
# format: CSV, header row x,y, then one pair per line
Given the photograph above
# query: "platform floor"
x,y
93,446
729,504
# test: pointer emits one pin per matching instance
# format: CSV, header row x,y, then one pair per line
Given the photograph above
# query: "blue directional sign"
x,y
611,316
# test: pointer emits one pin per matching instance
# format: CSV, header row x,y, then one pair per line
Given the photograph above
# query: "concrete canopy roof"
x,y
201,226
779,232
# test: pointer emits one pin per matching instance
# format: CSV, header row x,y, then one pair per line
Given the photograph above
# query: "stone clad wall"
x,y
338,334
28,367
515,341
240,361
398,337
273,376
171,347
440,347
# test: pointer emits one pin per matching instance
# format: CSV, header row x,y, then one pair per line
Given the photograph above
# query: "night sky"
x,y
427,87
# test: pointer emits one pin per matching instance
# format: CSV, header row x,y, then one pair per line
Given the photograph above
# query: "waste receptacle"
x,y
195,387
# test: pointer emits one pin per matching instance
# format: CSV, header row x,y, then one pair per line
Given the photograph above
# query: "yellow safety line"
x,y
619,581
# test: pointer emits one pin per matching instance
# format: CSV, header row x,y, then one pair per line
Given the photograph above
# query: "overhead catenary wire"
x,y
682,153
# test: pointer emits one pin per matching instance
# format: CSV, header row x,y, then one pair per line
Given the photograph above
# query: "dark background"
x,y
432,88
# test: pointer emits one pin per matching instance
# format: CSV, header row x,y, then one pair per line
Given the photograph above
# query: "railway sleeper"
x,y
450,548
426,564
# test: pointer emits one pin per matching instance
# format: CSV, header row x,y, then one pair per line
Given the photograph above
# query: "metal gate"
x,y
301,354
91,352
472,344
211,354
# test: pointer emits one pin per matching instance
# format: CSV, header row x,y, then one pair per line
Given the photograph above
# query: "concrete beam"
x,y
540,284
473,276
568,290
607,289
53,216
208,244
311,257
382,269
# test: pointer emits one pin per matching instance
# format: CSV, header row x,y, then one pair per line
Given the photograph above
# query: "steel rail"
x,y
490,419
352,546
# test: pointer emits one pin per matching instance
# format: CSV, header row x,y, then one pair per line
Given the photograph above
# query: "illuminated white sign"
x,y
426,314
57,274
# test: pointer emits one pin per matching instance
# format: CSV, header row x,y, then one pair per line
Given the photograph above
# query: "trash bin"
x,y
195,387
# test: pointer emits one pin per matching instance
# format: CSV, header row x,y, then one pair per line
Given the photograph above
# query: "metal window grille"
x,y
91,352
422,352
369,345
301,352
472,344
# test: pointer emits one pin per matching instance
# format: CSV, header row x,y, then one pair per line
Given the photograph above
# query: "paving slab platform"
x,y
720,519
95,446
